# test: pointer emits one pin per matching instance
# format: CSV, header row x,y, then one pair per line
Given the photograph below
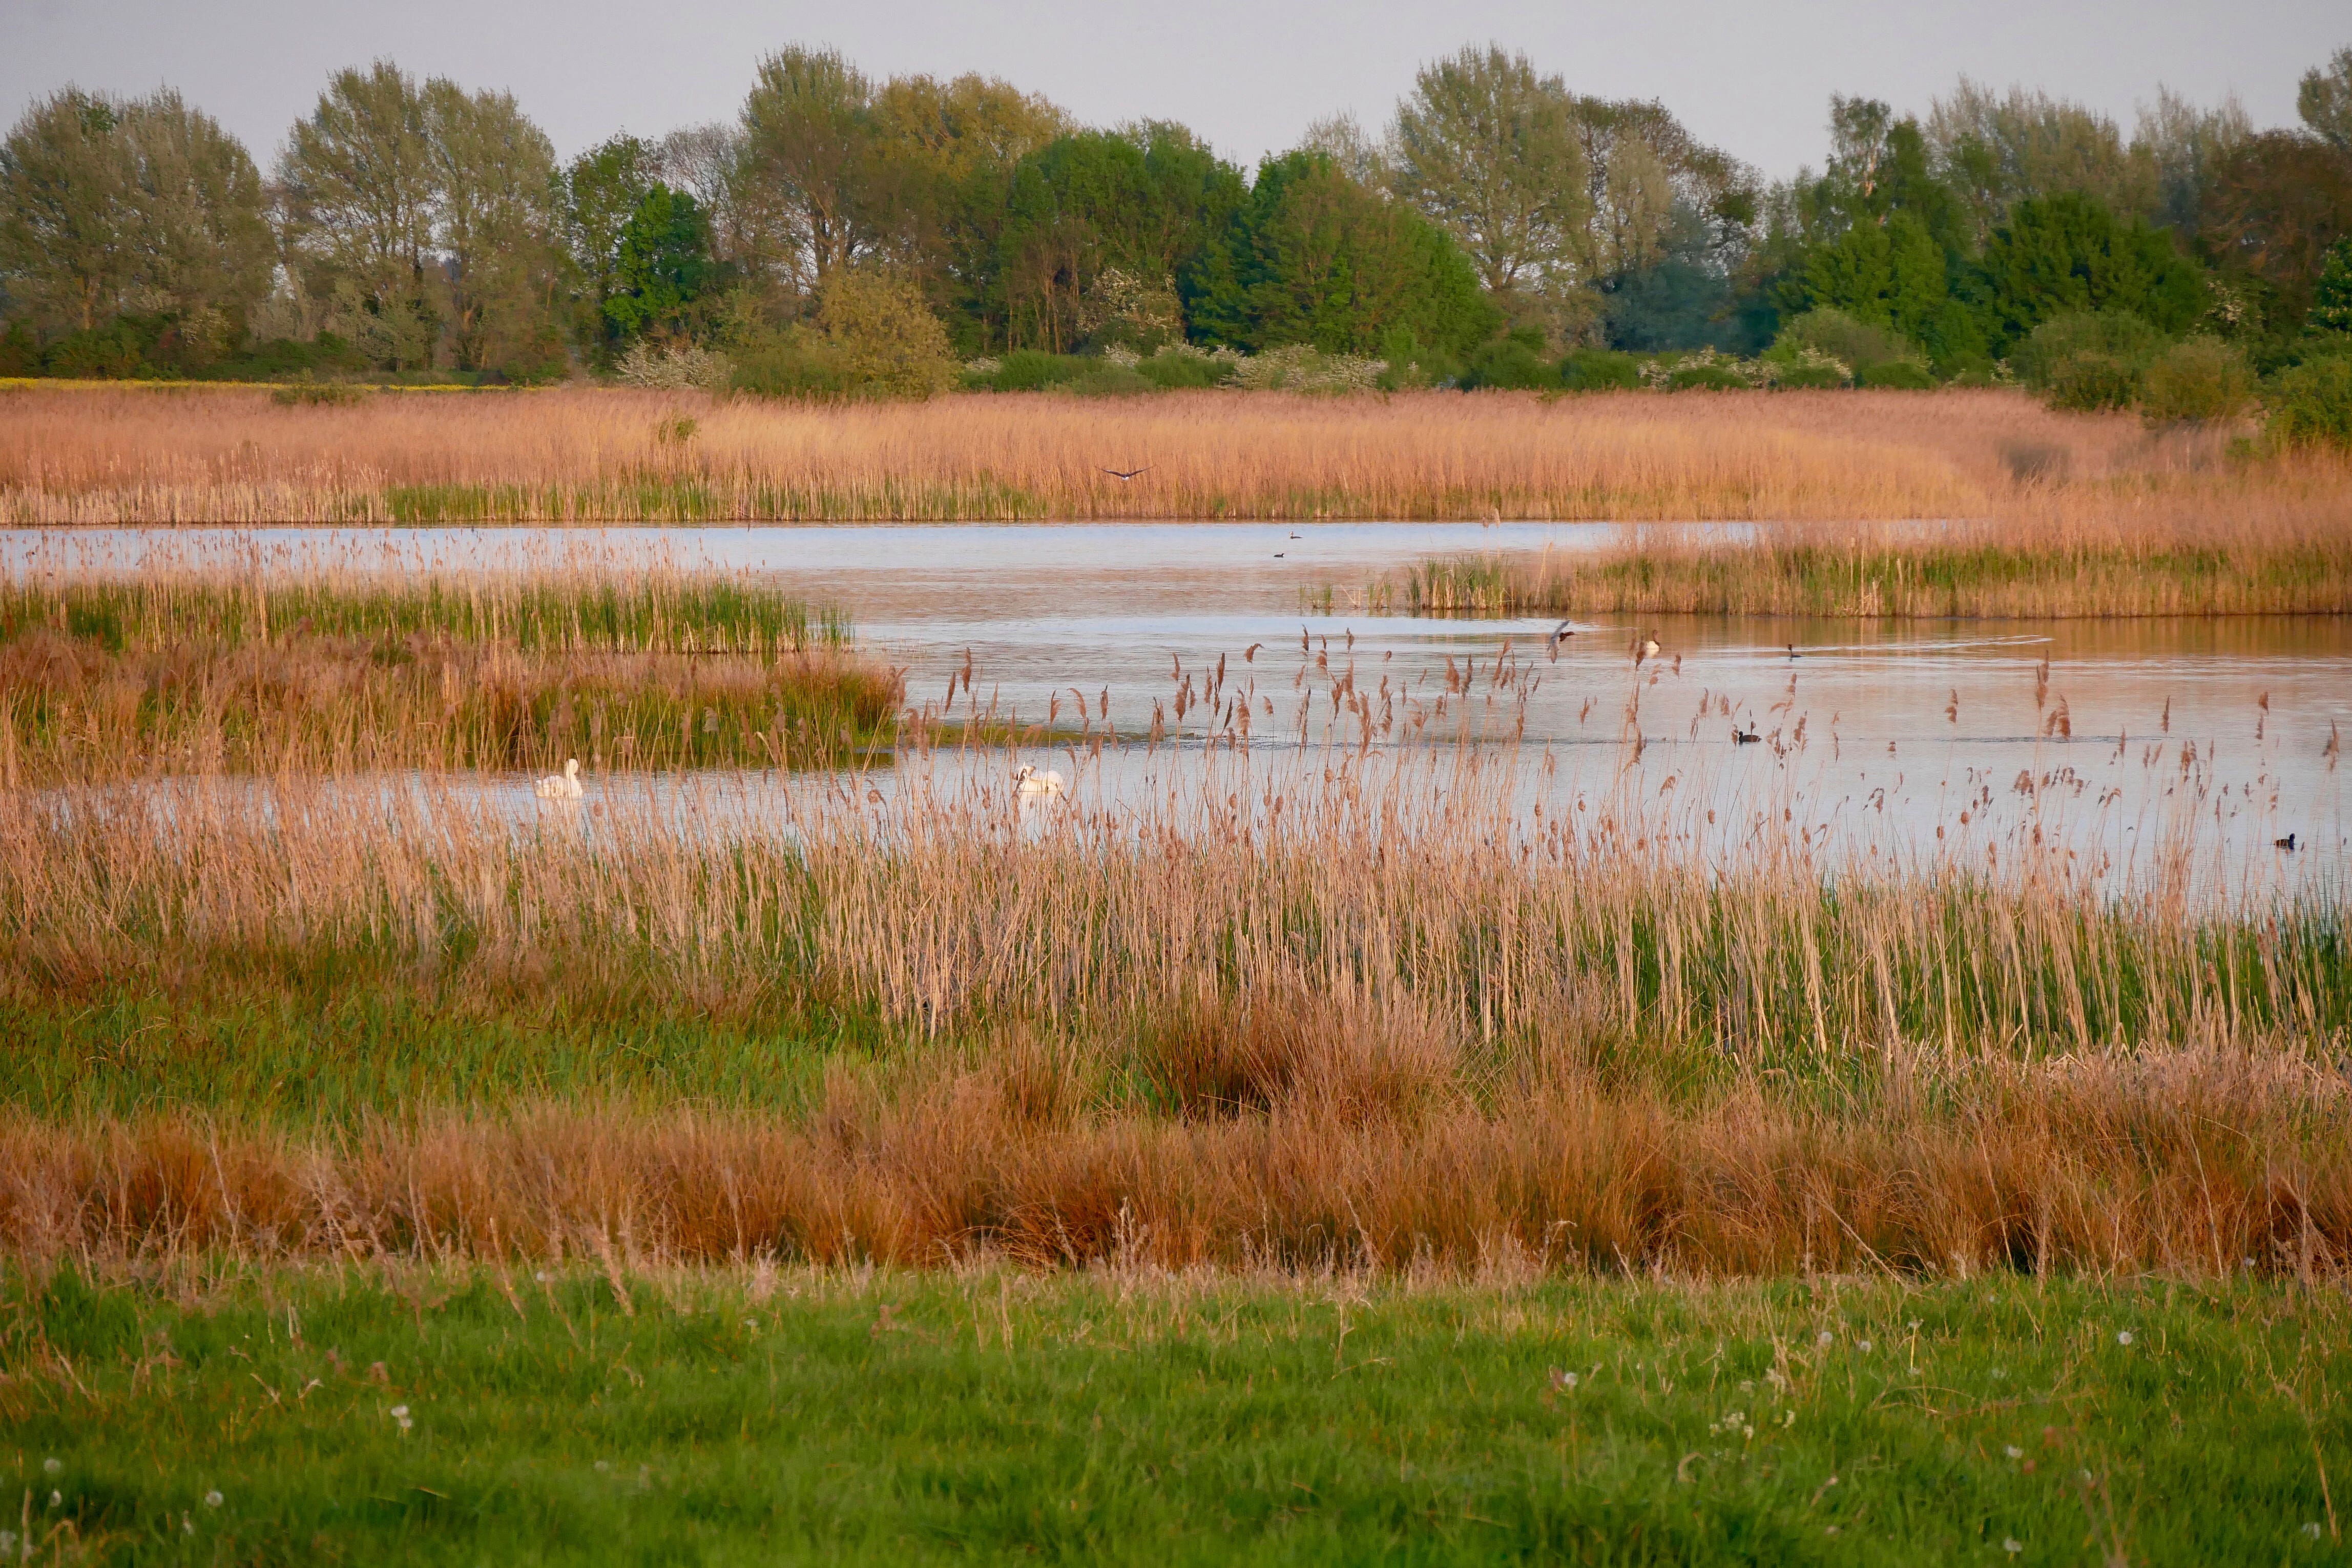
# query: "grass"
x,y
191,670
2206,568
539,1412
75,455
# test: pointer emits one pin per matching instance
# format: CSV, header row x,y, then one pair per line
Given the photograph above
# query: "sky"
x,y
1249,75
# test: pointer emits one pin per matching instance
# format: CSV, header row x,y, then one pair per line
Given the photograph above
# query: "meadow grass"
x,y
71,456
197,669
534,1411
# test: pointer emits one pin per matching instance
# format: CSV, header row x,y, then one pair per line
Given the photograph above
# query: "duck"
x,y
563,786
1744,736
1647,648
2285,843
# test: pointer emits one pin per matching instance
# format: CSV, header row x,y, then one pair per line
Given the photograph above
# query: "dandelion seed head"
x,y
212,1500
2124,1336
1824,1337
2015,1452
1862,1346
53,1467
2012,1545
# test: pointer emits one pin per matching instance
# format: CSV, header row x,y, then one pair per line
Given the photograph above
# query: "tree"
x,y
1490,150
600,193
2067,253
1144,202
1313,258
663,266
2274,206
360,197
495,179
1663,202
144,208
808,144
1998,149
2324,101
2188,144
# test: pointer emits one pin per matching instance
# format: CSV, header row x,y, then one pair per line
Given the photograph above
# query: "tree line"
x,y
843,232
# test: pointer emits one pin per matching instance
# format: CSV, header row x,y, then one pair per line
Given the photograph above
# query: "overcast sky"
x,y
1247,74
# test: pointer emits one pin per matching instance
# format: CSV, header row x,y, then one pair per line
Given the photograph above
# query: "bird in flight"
x,y
1123,476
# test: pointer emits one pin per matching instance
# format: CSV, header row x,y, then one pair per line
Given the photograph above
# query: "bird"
x,y
1278,554
1792,652
1033,785
1124,476
2285,843
1565,629
1743,737
1647,648
563,786
1298,536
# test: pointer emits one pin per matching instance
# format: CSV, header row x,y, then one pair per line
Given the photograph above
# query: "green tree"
x,y
663,267
1488,150
2068,252
496,220
144,208
1997,150
809,143
1313,258
1144,202
360,196
599,193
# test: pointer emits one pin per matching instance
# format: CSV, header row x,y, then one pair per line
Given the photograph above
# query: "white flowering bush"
x,y
674,367
1300,368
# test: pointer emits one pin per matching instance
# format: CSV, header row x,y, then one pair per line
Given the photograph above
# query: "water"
x,y
1873,738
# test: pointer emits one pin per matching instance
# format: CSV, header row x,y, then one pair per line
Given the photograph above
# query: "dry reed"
x,y
89,456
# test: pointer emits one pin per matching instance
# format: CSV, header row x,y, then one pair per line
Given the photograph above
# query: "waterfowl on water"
x,y
1744,736
1032,785
563,786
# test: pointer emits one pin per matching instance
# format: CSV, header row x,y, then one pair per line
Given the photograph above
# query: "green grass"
x,y
745,1416
1925,581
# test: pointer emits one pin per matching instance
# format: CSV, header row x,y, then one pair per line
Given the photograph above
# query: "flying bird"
x,y
1123,476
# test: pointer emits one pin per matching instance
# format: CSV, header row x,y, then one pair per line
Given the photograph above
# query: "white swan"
x,y
563,786
1033,786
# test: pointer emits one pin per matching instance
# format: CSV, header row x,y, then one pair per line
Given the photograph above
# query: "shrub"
x,y
792,362
2200,379
1185,366
1300,368
1515,361
1853,343
1798,367
1600,369
2088,359
20,355
1033,370
674,366
1707,377
2311,404
1897,375
888,342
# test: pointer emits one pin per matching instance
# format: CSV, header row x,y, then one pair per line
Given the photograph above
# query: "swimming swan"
x,y
563,786
1033,785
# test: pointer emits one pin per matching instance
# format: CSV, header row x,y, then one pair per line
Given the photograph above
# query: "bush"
x,y
1706,378
888,342
20,355
2200,379
1173,368
1515,362
1034,370
2311,404
2088,359
1897,375
1855,344
1600,369
791,362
